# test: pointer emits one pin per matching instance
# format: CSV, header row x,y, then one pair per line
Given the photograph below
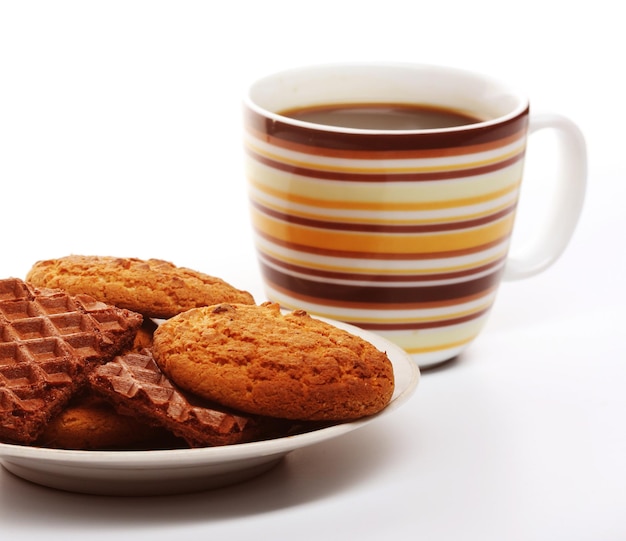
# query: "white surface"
x,y
180,471
115,105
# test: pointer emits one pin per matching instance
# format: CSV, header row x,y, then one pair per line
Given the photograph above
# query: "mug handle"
x,y
570,194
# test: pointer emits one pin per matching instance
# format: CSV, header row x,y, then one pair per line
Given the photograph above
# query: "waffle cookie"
x,y
152,287
48,342
258,360
135,386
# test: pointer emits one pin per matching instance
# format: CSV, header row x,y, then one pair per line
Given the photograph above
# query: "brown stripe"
x,y
382,278
390,307
387,176
379,255
475,134
361,154
383,228
372,296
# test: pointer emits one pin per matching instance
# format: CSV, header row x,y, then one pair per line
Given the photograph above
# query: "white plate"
x,y
188,470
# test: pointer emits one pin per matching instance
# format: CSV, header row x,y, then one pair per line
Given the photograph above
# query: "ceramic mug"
x,y
402,229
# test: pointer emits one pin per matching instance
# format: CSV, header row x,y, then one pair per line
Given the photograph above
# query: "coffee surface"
x,y
382,116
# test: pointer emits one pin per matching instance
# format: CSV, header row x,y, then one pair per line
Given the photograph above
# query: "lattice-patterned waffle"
x,y
136,386
49,340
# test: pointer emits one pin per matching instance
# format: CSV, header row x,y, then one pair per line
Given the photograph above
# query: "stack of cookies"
x,y
83,364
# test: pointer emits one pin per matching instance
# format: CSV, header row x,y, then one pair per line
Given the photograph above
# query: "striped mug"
x,y
384,195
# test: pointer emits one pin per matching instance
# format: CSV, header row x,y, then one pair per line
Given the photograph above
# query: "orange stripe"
x,y
406,244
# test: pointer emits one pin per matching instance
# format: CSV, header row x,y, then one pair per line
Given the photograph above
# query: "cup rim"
x,y
521,108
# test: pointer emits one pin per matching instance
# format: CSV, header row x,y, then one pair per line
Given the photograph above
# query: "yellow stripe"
x,y
383,165
438,347
381,243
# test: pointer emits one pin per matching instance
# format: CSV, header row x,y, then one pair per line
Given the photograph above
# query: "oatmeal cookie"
x,y
152,287
91,423
143,338
258,360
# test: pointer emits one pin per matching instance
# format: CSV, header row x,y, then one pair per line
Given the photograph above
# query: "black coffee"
x,y
382,116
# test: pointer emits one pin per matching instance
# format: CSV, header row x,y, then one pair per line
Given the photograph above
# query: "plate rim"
x,y
183,458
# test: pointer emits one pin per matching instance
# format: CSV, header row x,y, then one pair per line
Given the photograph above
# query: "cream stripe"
x,y
411,350
381,271
425,195
390,216
350,281
438,338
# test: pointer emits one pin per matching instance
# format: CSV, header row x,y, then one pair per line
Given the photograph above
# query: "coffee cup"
x,y
384,195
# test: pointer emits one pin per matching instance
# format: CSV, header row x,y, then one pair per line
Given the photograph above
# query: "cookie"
x,y
258,360
145,333
90,423
152,287
49,341
135,386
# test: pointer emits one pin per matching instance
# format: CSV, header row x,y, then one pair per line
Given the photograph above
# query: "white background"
x,y
120,135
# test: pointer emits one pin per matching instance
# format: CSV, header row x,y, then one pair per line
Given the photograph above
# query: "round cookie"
x,y
90,423
152,287
143,338
258,360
